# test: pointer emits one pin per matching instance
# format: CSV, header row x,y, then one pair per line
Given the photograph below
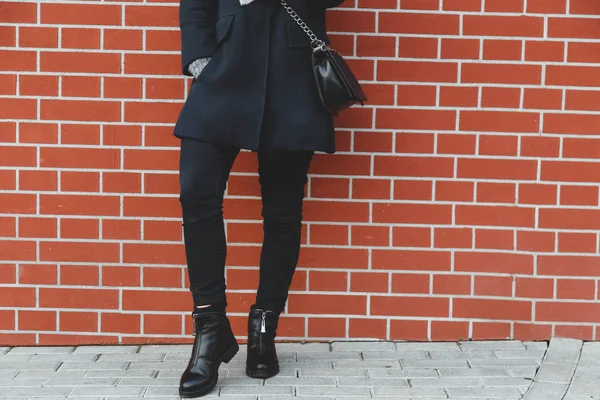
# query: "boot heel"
x,y
230,353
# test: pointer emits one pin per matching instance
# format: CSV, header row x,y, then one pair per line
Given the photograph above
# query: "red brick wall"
x,y
463,202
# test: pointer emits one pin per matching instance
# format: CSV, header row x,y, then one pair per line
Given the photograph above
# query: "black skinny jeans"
x,y
204,171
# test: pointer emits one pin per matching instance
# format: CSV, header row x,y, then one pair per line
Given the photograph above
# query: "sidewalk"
x,y
323,371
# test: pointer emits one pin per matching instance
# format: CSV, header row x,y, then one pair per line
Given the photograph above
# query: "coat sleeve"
x,y
197,19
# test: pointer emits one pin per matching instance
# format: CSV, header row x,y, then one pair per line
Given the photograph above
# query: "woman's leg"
x,y
283,177
204,171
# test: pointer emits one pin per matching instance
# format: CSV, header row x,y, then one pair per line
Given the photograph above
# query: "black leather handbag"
x,y
337,86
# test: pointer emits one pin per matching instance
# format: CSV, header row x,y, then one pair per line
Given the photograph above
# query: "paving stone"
x,y
4,350
508,381
8,374
126,373
178,365
41,350
174,381
545,391
419,392
50,374
505,362
491,345
16,358
21,382
555,373
522,372
372,382
563,351
133,357
486,393
362,346
350,391
535,353
446,382
307,371
585,386
339,355
427,346
395,355
451,355
434,364
473,372
411,373
258,390
30,366
167,348
124,391
92,365
77,381
62,398
106,349
43,392
65,357
304,347
301,381
573,397
365,364
166,391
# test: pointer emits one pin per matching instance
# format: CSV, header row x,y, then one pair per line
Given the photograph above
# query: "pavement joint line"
x,y
553,389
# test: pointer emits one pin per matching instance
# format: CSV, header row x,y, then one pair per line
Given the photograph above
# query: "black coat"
x,y
258,90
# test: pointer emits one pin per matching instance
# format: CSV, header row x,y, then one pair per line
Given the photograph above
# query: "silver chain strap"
x,y
315,41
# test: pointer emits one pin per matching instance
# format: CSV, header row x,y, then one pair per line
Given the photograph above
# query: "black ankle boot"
x,y
214,343
262,361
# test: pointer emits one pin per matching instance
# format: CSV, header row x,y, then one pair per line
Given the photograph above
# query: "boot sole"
x,y
262,374
225,358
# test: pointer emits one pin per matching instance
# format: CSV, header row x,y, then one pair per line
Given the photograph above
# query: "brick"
x,y
410,306
326,304
499,121
562,265
80,38
501,73
412,190
162,324
78,321
575,289
72,110
463,49
410,283
535,288
37,227
496,192
411,260
495,309
420,23
156,300
326,327
80,14
479,25
79,275
80,181
37,320
22,12
369,282
535,241
537,194
121,276
79,298
79,251
495,216
120,323
512,263
162,277
124,39
567,312
79,205
493,286
451,284
494,239
80,62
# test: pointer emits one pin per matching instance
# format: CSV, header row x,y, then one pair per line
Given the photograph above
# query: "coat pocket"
x,y
223,28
